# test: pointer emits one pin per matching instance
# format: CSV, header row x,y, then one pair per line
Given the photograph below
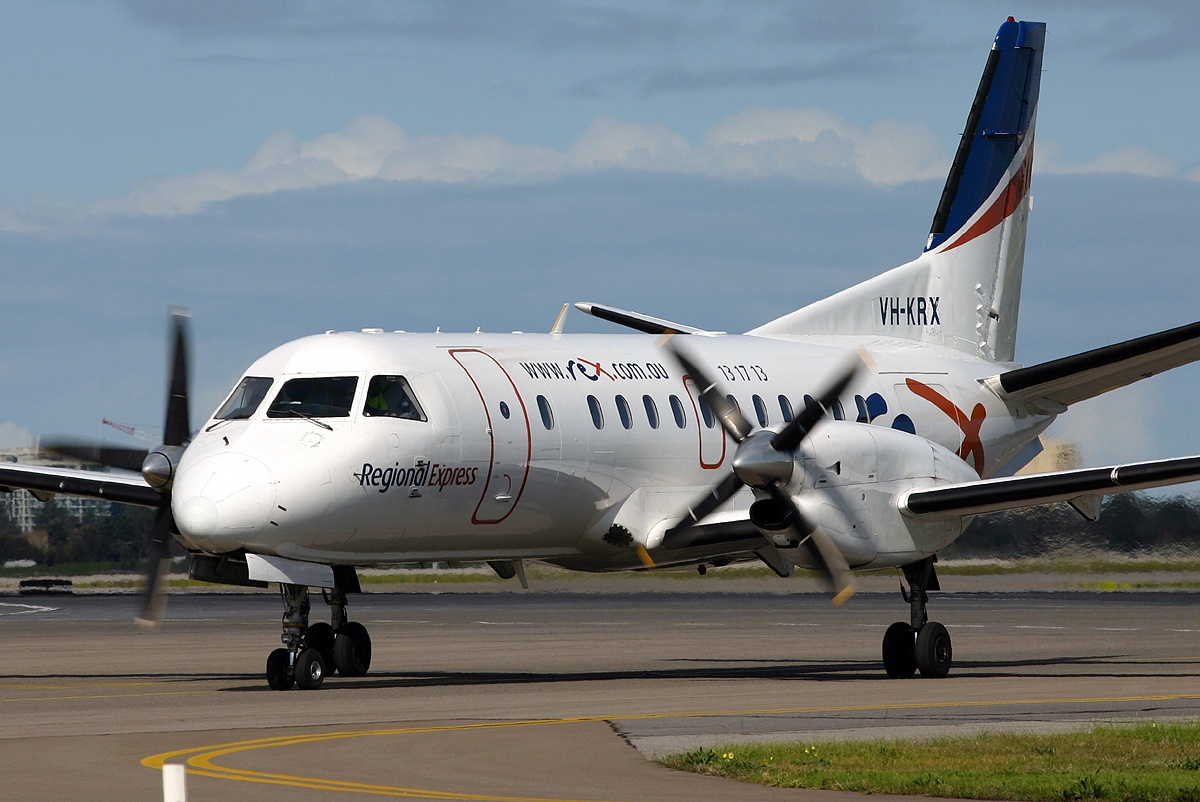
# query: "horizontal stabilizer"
x,y
130,489
993,495
638,321
1053,386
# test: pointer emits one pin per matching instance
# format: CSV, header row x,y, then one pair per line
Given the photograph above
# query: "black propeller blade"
x,y
158,553
177,429
767,464
836,569
705,506
129,459
731,418
157,466
159,470
790,437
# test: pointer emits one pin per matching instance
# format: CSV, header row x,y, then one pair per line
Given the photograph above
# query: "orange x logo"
x,y
971,444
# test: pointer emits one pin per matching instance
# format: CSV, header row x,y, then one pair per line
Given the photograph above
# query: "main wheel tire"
x,y
933,650
310,670
279,671
319,636
899,654
352,650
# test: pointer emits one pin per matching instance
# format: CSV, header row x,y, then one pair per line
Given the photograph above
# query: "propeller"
x,y
765,460
157,466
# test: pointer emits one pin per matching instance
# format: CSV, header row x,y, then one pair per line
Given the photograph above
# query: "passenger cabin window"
x,y
706,413
597,413
321,397
244,400
623,411
760,410
391,397
836,408
677,411
785,406
547,412
651,411
811,405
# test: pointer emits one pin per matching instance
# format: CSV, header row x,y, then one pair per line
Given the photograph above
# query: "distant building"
x,y
23,508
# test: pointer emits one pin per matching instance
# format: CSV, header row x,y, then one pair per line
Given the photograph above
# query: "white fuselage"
x,y
536,446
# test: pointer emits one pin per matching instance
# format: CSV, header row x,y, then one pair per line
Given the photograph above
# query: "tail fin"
x,y
964,291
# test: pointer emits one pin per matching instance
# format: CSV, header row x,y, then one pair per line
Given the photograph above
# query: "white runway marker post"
x,y
174,782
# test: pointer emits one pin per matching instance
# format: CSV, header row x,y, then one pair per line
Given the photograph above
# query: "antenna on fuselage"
x,y
561,321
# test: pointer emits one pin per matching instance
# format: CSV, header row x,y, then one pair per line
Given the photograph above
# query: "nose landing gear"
x,y
310,653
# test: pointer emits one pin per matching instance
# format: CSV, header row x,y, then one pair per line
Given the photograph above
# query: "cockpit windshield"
x,y
244,400
319,397
391,397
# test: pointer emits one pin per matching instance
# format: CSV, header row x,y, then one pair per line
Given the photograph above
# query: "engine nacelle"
x,y
850,476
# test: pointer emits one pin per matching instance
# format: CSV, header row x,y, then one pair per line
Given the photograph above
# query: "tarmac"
x,y
552,694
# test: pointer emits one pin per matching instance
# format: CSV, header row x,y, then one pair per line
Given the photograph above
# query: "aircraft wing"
x,y
40,480
1053,386
638,321
1082,488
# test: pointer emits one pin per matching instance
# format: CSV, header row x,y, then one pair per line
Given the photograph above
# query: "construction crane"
x,y
132,431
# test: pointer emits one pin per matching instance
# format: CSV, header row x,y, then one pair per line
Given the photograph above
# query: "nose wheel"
x,y
310,653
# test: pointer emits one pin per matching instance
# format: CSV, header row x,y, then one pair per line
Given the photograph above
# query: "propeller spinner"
x,y
765,461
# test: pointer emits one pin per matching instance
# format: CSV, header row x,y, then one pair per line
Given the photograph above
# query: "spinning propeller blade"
x,y
129,459
833,562
765,461
158,553
176,434
156,465
721,492
727,413
177,429
792,435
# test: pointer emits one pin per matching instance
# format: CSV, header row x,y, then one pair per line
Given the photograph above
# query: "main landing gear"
x,y
919,645
310,653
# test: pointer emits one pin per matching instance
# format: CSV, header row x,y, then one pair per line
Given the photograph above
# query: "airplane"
x,y
860,433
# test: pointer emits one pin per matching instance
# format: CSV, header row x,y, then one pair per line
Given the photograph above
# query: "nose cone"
x,y
222,499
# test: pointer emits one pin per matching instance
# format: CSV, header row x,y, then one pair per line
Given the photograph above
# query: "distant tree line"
x,y
1129,523
117,539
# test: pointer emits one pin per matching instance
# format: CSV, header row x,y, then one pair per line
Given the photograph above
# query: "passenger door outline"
x,y
509,436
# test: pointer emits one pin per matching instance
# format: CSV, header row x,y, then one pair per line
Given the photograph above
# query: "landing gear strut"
x,y
310,653
919,644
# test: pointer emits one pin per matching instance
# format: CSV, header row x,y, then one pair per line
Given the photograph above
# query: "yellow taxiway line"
x,y
200,761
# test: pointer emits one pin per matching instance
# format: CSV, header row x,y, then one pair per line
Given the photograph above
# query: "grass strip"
x,y
1138,763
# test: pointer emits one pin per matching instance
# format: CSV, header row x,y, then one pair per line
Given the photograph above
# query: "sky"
x,y
282,168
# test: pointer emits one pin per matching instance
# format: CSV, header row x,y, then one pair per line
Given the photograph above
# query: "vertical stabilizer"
x,y
964,291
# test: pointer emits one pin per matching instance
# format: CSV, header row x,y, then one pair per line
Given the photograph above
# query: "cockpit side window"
x,y
391,397
244,400
318,397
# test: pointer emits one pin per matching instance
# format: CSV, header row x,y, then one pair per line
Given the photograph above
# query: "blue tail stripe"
x,y
996,127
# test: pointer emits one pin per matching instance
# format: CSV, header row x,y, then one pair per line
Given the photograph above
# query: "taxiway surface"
x,y
548,695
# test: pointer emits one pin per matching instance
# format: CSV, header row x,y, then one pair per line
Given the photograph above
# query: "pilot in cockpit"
x,y
389,396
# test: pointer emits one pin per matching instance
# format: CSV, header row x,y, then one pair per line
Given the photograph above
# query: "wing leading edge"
x,y
37,479
1081,488
1053,386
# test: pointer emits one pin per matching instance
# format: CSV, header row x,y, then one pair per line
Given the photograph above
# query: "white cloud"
x,y
13,437
797,142
608,142
1132,159
807,144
